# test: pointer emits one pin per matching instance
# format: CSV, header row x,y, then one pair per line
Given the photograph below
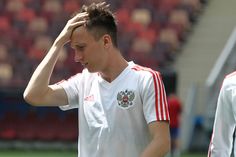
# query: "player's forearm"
x,y
157,148
39,82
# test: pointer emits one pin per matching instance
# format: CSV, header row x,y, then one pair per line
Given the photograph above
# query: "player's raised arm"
x,y
38,91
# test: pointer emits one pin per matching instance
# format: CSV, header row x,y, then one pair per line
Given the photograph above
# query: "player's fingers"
x,y
79,16
78,24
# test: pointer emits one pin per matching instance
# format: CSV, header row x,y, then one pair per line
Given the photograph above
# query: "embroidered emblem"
x,y
125,98
89,98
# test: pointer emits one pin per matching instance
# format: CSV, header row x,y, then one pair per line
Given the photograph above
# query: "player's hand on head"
x,y
77,21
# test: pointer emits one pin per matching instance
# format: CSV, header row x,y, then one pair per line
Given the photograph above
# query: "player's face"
x,y
89,52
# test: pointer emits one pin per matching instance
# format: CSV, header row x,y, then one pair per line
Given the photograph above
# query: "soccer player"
x,y
123,110
221,144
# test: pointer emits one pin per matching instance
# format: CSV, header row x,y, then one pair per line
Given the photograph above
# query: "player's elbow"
x,y
30,99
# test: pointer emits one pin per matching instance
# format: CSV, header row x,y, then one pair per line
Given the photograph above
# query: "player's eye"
x,y
81,48
78,47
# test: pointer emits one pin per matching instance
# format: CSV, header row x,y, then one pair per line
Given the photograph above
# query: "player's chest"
x,y
123,96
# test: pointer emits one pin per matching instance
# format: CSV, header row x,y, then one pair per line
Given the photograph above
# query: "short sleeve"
x,y
71,87
155,105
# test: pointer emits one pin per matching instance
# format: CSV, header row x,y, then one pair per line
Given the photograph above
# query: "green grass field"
x,y
37,153
46,153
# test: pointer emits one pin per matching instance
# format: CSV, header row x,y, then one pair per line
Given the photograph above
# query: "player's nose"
x,y
78,56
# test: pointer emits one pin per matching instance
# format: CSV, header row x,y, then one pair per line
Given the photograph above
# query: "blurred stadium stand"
x,y
151,33
20,121
199,69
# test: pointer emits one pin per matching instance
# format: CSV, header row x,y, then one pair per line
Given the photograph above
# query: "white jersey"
x,y
225,120
113,117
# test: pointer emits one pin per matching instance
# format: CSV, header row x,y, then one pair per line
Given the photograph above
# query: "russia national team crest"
x,y
125,98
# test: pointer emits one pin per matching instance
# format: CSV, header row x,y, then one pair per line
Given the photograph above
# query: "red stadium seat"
x,y
4,24
8,126
26,14
71,6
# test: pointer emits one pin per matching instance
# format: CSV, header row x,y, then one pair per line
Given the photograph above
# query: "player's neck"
x,y
115,66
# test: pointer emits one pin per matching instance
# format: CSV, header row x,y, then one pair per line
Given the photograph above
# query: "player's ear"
x,y
107,42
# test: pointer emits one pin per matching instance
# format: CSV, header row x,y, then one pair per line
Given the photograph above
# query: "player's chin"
x,y
91,69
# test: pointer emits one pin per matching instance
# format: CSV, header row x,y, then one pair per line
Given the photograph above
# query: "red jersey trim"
x,y
160,97
231,74
63,80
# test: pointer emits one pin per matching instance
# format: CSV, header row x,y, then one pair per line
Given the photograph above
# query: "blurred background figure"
x,y
175,109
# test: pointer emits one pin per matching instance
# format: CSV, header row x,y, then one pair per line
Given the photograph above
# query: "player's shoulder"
x,y
84,76
145,74
230,80
144,71
230,77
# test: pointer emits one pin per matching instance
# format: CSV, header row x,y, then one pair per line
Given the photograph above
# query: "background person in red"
x,y
175,108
